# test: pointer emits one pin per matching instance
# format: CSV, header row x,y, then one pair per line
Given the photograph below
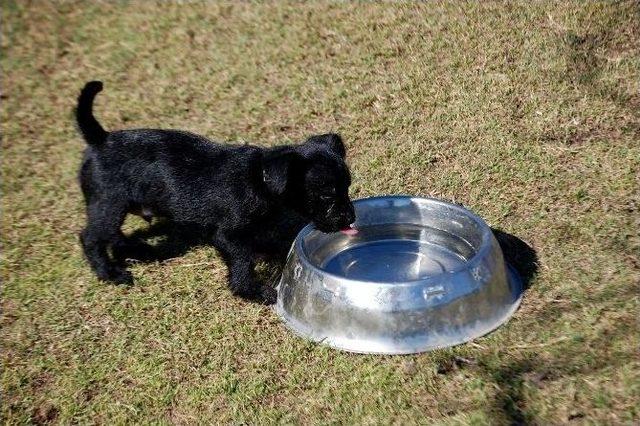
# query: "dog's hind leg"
x,y
131,248
241,264
104,219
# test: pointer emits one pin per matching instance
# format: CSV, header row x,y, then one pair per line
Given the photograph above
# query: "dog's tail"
x,y
92,131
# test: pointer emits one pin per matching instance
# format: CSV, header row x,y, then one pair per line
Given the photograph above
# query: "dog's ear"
x,y
331,141
278,168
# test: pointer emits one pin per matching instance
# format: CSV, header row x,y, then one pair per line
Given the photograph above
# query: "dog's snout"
x,y
347,215
351,214
340,216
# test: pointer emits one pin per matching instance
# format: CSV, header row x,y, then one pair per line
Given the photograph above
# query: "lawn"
x,y
526,112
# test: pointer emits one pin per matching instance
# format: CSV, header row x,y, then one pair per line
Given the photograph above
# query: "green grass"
x,y
527,113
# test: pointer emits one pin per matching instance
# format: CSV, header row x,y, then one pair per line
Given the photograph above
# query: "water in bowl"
x,y
395,253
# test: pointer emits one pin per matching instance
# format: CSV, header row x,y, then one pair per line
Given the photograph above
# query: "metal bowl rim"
x,y
477,257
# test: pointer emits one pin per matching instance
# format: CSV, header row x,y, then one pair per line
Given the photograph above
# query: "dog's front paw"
x,y
121,276
268,294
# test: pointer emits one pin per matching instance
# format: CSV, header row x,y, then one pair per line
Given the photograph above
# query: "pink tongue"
x,y
349,231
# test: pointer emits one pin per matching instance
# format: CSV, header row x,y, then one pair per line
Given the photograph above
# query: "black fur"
x,y
247,200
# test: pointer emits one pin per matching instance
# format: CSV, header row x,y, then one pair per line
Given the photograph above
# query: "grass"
x,y
528,113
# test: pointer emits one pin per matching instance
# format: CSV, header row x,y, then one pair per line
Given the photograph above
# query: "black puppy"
x,y
247,200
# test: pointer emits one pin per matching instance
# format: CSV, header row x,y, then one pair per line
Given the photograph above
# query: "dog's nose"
x,y
351,214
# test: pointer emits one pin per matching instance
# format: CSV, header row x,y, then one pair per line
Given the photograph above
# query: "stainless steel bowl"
x,y
420,274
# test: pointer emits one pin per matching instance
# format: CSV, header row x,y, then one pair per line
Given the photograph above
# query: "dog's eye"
x,y
326,197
